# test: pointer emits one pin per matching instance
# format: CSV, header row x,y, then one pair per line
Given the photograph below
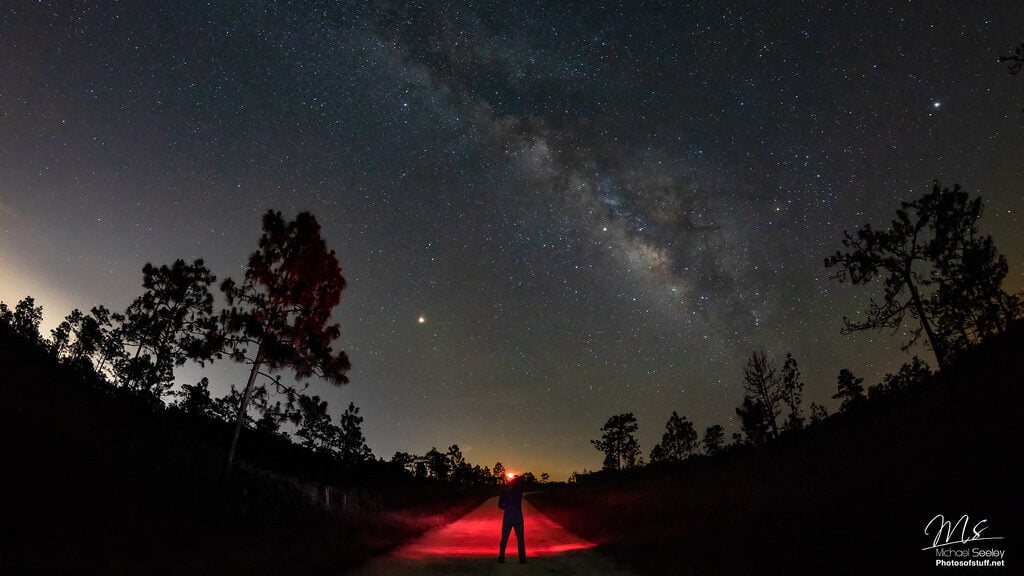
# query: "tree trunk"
x,y
769,407
915,298
131,379
243,405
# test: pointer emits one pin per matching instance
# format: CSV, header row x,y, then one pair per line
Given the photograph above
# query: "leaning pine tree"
x,y
278,317
940,275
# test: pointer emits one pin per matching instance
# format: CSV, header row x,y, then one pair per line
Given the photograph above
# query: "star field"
x,y
547,212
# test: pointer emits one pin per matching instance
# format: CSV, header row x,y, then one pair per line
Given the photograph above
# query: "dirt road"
x,y
470,546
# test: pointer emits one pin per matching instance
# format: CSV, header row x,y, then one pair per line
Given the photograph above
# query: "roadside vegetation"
x,y
111,466
852,495
800,491
98,480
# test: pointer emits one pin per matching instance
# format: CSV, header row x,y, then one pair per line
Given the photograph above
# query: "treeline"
x,y
100,480
874,474
275,321
342,440
771,408
451,466
942,280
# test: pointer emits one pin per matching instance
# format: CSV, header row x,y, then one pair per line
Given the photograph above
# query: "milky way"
x,y
547,212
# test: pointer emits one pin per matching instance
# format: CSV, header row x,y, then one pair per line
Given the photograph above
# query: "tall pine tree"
x,y
279,316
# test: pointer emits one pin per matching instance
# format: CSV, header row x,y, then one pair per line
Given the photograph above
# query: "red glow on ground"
x,y
477,534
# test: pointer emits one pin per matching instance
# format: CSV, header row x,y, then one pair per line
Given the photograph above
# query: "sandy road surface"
x,y
470,546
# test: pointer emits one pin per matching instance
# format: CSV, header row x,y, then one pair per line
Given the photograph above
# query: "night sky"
x,y
593,210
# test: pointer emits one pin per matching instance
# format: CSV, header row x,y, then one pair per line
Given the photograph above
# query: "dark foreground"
x,y
854,496
97,483
92,483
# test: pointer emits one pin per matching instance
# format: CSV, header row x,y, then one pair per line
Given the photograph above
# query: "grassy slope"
x,y
94,484
850,497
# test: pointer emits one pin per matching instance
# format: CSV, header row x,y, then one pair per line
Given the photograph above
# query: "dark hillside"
x,y
97,482
851,496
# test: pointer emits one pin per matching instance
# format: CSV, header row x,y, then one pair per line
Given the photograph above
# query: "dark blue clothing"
x,y
511,501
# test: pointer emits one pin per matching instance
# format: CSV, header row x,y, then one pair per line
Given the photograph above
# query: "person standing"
x,y
511,501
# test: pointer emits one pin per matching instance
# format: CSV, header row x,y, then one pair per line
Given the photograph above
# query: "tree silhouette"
x,y
658,454
461,471
270,421
171,322
498,472
818,413
455,457
195,399
351,445
620,447
420,467
24,320
1016,59
60,337
99,339
438,464
935,268
315,426
714,439
913,374
278,317
969,304
763,384
792,393
344,441
753,420
850,390
226,406
678,441
405,461
80,338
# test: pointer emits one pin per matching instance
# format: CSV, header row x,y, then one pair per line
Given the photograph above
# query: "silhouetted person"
x,y
511,501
